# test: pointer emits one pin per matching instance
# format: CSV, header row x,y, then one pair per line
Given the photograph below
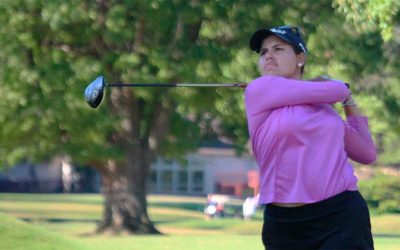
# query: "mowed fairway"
x,y
71,220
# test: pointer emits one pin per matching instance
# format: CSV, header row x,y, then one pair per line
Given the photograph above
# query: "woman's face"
x,y
278,58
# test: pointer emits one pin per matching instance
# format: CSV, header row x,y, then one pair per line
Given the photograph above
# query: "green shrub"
x,y
382,193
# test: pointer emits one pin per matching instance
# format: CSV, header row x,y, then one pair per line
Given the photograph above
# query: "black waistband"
x,y
313,210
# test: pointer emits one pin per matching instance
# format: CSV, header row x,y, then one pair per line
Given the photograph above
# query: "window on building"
x,y
166,181
182,181
198,180
153,180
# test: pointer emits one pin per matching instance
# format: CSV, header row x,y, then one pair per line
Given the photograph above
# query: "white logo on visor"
x,y
278,31
302,47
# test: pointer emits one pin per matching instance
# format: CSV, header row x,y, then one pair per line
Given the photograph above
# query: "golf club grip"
x,y
238,85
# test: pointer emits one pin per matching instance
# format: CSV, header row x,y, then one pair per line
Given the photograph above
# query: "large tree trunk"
x,y
125,204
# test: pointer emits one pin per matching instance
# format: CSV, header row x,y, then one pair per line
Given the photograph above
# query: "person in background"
x,y
214,206
302,147
249,207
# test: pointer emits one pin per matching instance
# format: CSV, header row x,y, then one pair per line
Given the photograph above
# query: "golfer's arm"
x,y
270,92
359,144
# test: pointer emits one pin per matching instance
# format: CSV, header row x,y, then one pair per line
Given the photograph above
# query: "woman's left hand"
x,y
320,79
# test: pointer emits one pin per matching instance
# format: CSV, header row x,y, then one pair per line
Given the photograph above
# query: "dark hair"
x,y
299,51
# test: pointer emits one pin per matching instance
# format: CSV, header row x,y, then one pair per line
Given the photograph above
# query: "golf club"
x,y
94,92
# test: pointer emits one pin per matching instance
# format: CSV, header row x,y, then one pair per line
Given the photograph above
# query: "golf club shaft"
x,y
239,85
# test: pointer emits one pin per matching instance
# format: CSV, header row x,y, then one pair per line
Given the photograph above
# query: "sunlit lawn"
x,y
181,219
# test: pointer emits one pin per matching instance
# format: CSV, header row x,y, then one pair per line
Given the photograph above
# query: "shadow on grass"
x,y
186,206
167,221
97,221
69,220
60,220
196,225
386,235
52,200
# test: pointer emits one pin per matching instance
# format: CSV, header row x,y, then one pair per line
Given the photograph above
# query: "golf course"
x,y
68,221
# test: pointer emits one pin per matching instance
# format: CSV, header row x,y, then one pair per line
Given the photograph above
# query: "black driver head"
x,y
94,92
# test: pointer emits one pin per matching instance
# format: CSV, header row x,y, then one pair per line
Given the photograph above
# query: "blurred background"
x,y
150,160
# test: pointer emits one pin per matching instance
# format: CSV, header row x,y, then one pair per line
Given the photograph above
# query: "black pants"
x,y
340,222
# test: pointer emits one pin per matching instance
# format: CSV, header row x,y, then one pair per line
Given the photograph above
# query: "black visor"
x,y
289,34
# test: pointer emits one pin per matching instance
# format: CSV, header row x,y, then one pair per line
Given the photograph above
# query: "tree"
x,y
372,15
379,22
53,49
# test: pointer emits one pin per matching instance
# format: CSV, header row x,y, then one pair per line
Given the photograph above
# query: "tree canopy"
x,y
50,50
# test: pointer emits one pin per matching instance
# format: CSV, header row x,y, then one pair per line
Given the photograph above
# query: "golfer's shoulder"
x,y
261,83
266,79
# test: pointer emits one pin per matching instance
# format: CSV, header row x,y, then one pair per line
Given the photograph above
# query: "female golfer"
x,y
302,147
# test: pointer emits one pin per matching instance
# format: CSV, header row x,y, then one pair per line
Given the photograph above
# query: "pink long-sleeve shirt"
x,y
300,143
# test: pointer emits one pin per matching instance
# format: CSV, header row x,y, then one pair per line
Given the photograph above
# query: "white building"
x,y
210,170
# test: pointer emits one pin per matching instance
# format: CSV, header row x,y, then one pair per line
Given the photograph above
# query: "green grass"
x,y
192,242
59,221
15,234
